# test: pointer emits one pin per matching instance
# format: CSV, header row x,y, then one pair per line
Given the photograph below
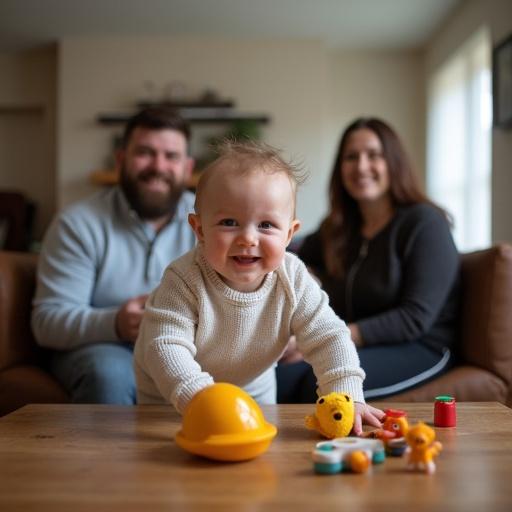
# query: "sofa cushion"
x,y
465,383
486,331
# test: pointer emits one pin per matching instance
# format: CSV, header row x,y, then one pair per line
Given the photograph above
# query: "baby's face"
x,y
245,223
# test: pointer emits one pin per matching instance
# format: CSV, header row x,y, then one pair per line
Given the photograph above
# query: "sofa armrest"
x,y
26,384
17,283
486,329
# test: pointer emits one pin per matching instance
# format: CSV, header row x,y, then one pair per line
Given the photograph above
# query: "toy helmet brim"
x,y
229,448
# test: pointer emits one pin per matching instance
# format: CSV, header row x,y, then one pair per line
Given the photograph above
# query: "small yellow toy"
x,y
422,448
334,415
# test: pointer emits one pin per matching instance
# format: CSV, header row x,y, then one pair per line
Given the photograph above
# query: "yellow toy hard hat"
x,y
223,422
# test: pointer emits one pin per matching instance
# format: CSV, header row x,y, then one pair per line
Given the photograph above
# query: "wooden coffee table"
x,y
93,457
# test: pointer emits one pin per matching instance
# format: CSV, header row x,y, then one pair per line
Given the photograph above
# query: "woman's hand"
x,y
355,334
368,415
291,353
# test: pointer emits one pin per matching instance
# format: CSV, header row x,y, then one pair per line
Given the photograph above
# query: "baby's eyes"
x,y
228,222
233,223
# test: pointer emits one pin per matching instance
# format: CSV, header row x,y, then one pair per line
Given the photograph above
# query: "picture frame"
x,y
502,84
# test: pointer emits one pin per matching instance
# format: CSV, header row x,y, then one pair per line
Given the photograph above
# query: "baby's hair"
x,y
243,157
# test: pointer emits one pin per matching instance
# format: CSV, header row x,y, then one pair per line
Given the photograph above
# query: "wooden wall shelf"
x,y
21,109
115,119
104,177
110,177
200,112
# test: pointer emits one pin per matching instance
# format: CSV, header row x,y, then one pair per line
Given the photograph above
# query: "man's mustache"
x,y
153,173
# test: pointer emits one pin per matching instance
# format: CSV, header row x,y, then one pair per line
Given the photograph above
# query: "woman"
x,y
387,260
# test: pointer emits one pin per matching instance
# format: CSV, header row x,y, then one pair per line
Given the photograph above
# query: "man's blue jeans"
x,y
100,373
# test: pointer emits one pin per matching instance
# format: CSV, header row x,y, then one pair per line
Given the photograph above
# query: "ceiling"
x,y
386,24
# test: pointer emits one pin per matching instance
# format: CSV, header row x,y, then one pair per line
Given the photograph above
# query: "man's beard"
x,y
151,205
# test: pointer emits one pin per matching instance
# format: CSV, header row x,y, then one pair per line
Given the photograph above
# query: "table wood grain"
x,y
98,457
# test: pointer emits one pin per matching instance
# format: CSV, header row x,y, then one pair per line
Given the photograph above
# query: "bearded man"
x,y
102,256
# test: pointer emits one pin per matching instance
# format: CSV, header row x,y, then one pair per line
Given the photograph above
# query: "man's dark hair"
x,y
156,118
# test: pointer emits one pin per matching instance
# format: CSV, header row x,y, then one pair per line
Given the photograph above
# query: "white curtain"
x,y
459,140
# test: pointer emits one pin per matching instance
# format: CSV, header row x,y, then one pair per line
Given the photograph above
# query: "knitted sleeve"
x,y
324,339
167,336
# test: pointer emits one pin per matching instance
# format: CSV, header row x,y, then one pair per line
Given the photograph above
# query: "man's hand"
x,y
128,318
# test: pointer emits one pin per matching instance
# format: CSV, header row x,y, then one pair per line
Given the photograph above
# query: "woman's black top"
x,y
399,286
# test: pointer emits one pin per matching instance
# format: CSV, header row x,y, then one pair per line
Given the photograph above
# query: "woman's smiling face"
x,y
364,170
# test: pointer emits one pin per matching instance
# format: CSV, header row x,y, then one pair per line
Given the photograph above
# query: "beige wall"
x,y
497,14
309,92
27,129
387,84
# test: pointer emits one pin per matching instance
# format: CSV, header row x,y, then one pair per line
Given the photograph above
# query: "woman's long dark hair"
x,y
344,220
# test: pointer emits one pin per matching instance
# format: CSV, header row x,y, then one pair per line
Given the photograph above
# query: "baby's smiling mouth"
x,y
246,260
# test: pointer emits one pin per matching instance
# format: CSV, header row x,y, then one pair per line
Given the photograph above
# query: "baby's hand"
x,y
367,414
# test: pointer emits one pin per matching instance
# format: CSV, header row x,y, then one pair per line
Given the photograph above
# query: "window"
x,y
459,141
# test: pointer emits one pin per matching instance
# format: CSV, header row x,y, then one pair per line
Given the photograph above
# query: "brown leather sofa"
x,y
484,372
485,345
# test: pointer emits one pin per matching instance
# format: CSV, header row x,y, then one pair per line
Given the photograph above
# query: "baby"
x,y
225,311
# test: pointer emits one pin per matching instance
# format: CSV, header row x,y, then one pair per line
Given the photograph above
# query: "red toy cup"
x,y
445,414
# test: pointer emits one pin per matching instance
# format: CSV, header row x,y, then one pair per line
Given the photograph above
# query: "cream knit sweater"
x,y
197,331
